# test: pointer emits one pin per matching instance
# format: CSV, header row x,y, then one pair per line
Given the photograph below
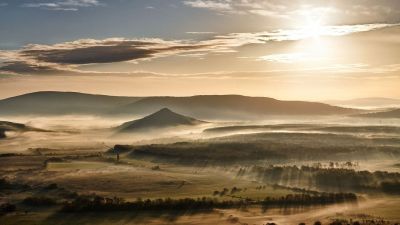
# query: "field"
x,y
244,167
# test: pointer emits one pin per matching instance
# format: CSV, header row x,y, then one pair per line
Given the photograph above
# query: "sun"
x,y
313,23
313,29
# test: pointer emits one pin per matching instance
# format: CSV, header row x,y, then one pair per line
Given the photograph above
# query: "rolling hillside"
x,y
61,103
203,106
231,106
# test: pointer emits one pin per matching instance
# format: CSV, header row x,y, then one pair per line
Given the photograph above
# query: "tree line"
x,y
95,203
326,179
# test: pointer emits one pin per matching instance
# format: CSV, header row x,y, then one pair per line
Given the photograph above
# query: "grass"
x,y
76,165
139,180
13,163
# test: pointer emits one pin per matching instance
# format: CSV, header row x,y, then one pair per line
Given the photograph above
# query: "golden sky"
x,y
306,50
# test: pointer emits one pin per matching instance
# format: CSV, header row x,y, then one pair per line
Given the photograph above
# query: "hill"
x,y
61,103
6,126
232,106
202,106
395,113
163,118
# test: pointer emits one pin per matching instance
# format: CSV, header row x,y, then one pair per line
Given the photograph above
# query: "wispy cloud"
x,y
238,39
200,32
362,11
69,55
64,5
284,58
224,5
243,7
2,4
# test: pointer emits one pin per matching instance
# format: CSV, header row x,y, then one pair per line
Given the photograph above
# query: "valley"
x,y
247,170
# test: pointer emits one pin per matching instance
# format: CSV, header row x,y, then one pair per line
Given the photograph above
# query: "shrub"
x,y
39,201
7,208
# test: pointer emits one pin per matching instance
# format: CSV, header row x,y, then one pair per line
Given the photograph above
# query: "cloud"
x,y
20,67
67,56
64,5
339,11
284,58
208,4
299,34
245,7
364,68
268,13
3,4
347,71
90,54
91,51
200,32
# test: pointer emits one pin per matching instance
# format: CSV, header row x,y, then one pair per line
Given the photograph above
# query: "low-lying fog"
x,y
99,133
213,155
68,132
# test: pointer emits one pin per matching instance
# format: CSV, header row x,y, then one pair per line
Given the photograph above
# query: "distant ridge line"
x,y
198,106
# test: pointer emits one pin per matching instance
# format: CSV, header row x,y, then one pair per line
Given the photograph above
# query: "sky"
x,y
299,49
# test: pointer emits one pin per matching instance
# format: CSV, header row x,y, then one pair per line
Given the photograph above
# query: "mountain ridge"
x,y
199,106
232,105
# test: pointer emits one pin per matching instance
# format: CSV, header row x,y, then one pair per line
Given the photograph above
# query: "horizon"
x,y
229,94
301,50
